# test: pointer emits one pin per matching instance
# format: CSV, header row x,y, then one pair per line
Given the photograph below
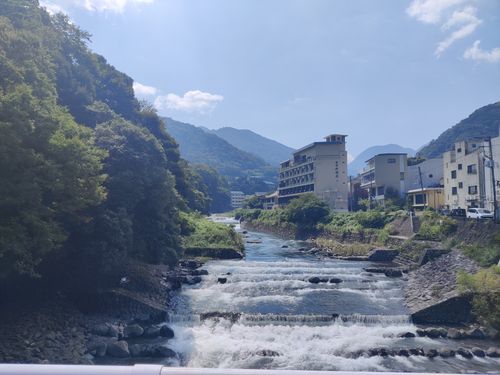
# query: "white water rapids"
x,y
280,320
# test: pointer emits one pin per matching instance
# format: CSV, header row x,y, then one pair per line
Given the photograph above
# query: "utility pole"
x,y
493,181
424,198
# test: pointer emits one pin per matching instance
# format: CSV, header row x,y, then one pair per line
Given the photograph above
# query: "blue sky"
x,y
380,71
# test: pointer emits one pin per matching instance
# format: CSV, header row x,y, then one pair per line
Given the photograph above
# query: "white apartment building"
x,y
427,174
237,199
319,168
384,172
467,183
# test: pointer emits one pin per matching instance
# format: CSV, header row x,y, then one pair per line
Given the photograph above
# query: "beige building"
x,y
467,183
319,168
428,197
385,172
237,199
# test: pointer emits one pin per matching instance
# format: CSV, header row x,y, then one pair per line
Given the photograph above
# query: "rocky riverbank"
x,y
121,325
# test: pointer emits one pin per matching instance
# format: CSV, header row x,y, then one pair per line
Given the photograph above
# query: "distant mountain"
x,y
201,147
271,151
359,162
482,123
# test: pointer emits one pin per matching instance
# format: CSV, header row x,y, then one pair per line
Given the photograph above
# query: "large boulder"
x,y
493,352
478,352
133,330
167,332
446,353
118,349
222,280
475,333
152,331
464,353
100,329
335,280
455,334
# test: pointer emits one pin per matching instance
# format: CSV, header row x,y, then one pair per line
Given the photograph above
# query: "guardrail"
x,y
14,369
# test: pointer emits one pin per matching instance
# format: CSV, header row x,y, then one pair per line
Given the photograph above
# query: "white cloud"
x,y
93,5
141,89
461,33
52,8
110,5
478,54
191,101
457,18
431,11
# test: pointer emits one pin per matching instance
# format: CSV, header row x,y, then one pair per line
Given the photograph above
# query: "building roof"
x,y
387,154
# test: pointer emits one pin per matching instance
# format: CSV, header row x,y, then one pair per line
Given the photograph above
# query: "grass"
x,y
343,249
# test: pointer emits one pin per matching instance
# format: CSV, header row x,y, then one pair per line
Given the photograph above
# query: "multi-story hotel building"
x,y
319,168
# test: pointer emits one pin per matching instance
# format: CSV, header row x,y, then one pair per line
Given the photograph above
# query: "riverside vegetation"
x,y
94,198
355,234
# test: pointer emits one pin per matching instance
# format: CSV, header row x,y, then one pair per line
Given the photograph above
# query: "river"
x,y
283,321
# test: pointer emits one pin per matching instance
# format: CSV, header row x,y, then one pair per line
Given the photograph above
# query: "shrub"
x,y
484,255
435,227
485,288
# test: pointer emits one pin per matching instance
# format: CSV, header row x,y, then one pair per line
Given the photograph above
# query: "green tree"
x,y
307,211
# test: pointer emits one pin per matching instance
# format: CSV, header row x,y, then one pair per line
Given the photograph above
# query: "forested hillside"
x,y
202,147
271,151
482,123
89,175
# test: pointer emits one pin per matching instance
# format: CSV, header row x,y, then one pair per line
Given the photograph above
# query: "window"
x,y
420,199
472,169
391,161
473,189
460,185
453,174
454,190
460,167
401,176
459,149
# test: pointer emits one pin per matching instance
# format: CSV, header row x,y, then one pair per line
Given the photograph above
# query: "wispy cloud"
x,y
118,6
467,22
458,18
140,89
477,54
431,11
191,101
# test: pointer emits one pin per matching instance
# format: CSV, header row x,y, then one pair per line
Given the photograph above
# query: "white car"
x,y
479,213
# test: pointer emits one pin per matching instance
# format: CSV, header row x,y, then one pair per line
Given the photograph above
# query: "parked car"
x,y
479,213
458,212
445,212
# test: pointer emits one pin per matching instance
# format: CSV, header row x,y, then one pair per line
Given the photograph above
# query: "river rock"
x,y
493,352
199,272
431,353
335,280
455,334
133,330
222,280
403,353
118,349
284,247
152,331
475,333
416,351
192,280
393,273
166,331
464,353
314,280
478,352
113,331
98,349
99,329
382,255
163,352
446,353
407,335
267,353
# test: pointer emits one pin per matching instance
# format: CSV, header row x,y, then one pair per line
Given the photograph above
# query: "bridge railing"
x,y
21,369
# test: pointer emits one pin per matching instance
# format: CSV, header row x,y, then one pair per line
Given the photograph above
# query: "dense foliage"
x,y
482,123
485,286
485,254
199,232
435,227
90,177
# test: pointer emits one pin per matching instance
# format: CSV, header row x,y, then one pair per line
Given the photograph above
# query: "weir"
x,y
270,315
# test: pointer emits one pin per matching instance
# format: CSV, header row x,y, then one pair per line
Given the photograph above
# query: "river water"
x,y
321,326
